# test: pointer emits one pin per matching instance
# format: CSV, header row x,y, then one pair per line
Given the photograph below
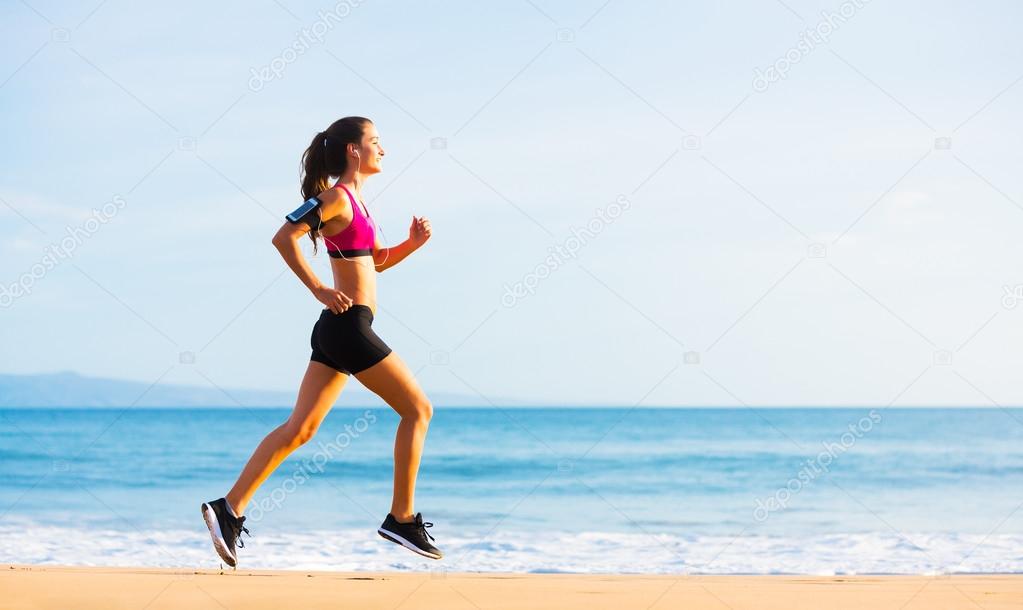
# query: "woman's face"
x,y
370,152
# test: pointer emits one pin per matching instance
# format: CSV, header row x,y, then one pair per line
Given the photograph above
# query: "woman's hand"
x,y
420,231
336,300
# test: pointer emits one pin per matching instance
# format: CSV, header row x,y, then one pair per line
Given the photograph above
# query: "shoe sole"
x,y
210,517
395,538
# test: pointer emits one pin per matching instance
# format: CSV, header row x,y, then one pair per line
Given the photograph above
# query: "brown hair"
x,y
327,157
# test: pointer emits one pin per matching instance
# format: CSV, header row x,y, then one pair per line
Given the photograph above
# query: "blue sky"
x,y
844,235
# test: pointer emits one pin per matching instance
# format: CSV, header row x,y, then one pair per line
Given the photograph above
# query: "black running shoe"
x,y
225,529
413,536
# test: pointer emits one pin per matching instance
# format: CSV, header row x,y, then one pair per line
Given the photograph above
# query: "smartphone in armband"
x,y
301,211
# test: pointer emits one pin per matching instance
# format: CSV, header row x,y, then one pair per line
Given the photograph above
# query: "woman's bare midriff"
x,y
357,278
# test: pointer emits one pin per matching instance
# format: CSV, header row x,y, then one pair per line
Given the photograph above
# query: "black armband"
x,y
308,213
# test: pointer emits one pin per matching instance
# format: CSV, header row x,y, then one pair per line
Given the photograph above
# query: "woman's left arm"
x,y
418,234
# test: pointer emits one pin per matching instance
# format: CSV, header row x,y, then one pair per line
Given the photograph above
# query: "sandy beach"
x,y
38,587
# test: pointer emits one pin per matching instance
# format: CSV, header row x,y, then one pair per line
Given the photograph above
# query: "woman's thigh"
x,y
320,389
391,380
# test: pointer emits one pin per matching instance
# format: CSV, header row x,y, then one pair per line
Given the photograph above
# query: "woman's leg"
x,y
392,381
319,391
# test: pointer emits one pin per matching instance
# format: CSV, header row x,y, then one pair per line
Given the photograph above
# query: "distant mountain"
x,y
68,389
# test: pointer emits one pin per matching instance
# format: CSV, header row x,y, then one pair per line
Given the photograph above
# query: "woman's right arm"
x,y
286,242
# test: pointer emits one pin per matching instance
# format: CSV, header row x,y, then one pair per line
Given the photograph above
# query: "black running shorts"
x,y
346,341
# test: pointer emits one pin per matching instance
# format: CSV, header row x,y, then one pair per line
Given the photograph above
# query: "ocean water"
x,y
615,490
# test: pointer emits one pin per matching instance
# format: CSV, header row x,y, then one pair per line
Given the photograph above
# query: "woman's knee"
x,y
297,434
421,411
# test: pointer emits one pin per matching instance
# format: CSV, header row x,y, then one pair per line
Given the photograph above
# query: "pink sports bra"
x,y
357,239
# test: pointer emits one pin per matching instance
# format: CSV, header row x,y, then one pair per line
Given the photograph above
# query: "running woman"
x,y
343,341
